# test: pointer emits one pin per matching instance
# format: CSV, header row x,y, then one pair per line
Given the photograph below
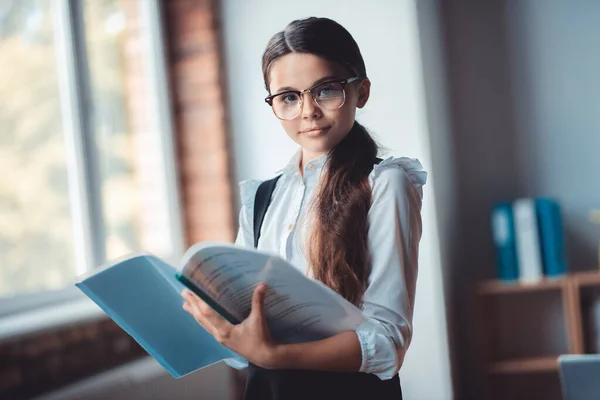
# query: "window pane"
x,y
132,176
36,249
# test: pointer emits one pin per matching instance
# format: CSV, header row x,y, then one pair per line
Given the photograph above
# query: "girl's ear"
x,y
364,90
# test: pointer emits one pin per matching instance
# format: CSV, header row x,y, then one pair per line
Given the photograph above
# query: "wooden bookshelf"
x,y
526,365
497,287
524,327
591,278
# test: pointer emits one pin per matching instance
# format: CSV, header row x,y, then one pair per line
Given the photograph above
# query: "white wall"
x,y
442,155
388,36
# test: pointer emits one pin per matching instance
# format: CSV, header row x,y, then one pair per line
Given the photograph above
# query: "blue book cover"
x,y
552,241
143,296
503,233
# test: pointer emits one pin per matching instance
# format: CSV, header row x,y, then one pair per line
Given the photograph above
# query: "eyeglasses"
x,y
329,95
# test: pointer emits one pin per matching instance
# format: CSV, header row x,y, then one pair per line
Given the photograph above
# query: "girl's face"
x,y
315,129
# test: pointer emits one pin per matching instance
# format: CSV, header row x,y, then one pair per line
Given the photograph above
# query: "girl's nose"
x,y
309,109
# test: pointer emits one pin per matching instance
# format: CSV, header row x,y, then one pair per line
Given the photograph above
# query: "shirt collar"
x,y
293,166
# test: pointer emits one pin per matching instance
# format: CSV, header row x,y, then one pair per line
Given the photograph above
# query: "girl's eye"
x,y
324,91
289,98
327,91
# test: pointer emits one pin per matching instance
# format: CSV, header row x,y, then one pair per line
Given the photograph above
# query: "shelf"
x,y
591,278
587,278
528,365
499,287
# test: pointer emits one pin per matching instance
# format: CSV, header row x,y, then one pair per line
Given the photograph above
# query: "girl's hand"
x,y
250,339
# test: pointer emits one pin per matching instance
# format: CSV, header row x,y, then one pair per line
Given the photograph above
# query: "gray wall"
x,y
556,64
524,105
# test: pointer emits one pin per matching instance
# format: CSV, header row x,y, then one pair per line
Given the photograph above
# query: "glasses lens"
x,y
286,105
329,95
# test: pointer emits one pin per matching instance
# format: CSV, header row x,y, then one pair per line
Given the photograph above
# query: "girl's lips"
x,y
314,132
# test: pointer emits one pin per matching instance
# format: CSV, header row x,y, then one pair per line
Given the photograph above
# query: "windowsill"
x,y
49,317
139,372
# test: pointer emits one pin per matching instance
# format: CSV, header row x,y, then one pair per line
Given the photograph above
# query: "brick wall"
x,y
197,77
45,361
198,82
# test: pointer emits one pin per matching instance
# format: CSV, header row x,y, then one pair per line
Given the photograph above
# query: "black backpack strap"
x,y
261,203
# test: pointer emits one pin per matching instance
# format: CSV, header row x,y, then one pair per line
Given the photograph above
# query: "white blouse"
x,y
393,239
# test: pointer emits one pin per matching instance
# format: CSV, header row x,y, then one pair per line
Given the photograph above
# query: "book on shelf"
x,y
503,234
142,294
528,236
527,241
552,237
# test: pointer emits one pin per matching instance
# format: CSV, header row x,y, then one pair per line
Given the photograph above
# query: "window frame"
x,y
84,180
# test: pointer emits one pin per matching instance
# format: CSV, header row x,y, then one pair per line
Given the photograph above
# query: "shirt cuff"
x,y
379,352
237,363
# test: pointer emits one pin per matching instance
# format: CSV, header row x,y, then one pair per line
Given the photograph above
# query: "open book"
x,y
142,294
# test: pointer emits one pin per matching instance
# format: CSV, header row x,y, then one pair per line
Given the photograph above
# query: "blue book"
x,y
142,294
503,233
552,241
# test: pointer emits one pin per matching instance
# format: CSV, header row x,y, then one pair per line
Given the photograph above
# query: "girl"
x,y
338,215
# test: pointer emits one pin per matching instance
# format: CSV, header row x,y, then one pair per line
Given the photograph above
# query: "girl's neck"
x,y
306,157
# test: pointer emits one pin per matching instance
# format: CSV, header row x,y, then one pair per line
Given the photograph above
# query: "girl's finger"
x,y
197,301
258,302
221,327
199,317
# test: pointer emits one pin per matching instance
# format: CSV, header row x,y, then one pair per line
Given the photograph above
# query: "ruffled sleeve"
x,y
412,166
394,235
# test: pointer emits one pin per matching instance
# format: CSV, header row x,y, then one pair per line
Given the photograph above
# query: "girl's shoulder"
x,y
248,190
249,187
393,170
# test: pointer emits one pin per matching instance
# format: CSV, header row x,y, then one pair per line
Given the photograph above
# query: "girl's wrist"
x,y
274,357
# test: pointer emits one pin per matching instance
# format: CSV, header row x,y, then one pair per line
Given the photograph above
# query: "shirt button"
x,y
289,227
311,166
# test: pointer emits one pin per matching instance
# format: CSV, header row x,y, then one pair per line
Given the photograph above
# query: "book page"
x,y
297,307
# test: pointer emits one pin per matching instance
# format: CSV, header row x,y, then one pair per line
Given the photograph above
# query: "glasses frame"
x,y
300,93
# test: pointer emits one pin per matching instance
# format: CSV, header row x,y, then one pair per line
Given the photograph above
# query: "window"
x,y
85,153
36,239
